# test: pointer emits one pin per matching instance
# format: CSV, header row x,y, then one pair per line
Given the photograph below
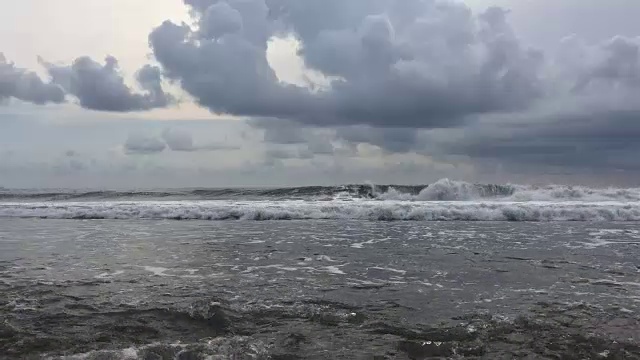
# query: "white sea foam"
x,y
157,271
216,348
401,272
450,190
108,275
334,270
373,210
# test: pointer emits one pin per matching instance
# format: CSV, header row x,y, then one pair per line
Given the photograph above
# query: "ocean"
x,y
444,270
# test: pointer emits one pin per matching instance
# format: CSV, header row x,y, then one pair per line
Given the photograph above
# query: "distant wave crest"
x,y
442,190
449,190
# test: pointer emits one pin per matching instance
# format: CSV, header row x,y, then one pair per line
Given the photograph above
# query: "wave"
x,y
307,192
442,190
371,210
449,190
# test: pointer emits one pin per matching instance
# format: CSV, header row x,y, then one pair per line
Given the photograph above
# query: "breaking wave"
x,y
442,190
372,210
449,190
444,200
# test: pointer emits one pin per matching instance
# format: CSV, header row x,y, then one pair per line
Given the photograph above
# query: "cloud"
x,y
309,142
69,166
284,132
142,144
428,77
394,140
571,139
323,141
321,145
418,64
400,70
591,126
284,154
102,87
182,140
612,66
26,85
587,121
178,140
174,139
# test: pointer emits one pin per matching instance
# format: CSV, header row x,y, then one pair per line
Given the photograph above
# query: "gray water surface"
x,y
103,289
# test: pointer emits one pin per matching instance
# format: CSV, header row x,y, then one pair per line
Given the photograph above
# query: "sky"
x,y
217,93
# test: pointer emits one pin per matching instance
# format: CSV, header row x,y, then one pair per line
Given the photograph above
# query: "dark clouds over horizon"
x,y
26,85
102,87
407,76
385,71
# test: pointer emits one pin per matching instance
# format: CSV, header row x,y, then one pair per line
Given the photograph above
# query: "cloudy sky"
x,y
192,93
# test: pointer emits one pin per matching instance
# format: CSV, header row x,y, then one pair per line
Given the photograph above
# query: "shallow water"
x,y
101,289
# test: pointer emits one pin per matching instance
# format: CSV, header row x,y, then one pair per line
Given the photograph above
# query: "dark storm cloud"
x,y
589,138
396,63
424,76
401,68
321,142
393,140
595,125
102,87
592,122
26,85
615,67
